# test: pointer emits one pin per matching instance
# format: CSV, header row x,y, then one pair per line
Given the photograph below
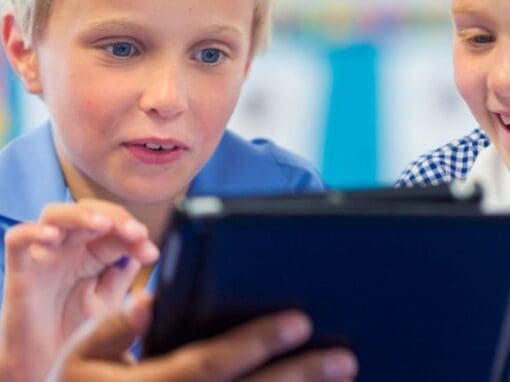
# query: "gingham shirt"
x,y
448,162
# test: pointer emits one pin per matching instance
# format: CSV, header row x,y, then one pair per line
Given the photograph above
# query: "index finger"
x,y
233,354
124,223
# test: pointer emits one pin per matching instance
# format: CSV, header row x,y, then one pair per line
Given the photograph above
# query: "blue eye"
x,y
122,49
211,56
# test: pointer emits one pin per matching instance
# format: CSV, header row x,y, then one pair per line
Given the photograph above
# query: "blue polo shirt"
x,y
31,176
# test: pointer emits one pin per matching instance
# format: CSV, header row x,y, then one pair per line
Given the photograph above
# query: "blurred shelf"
x,y
344,19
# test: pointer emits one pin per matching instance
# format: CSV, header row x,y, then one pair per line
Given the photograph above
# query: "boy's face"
x,y
482,65
140,91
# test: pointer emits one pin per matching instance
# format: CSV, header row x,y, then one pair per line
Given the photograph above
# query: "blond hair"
x,y
32,17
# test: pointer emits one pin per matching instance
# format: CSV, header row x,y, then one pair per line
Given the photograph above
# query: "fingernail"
x,y
122,263
151,251
132,227
339,365
294,330
49,232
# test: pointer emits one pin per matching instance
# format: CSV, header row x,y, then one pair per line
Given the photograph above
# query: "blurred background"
x,y
359,87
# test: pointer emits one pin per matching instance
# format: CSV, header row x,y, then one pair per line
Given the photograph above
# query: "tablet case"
x,y
416,284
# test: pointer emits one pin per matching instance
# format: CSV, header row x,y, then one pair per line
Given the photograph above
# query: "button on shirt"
x,y
31,177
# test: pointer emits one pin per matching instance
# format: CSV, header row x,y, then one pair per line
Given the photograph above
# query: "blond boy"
x,y
139,94
482,74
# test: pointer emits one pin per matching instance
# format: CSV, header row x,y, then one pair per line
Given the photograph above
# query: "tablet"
x,y
415,284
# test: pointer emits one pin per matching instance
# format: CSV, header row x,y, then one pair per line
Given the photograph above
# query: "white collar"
x,y
491,172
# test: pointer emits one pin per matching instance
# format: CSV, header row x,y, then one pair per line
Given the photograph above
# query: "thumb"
x,y
111,337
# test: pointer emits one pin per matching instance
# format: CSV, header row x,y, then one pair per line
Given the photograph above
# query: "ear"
x,y
22,58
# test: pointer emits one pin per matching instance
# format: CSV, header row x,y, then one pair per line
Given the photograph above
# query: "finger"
x,y
100,342
79,223
116,281
330,365
21,237
124,224
233,354
114,335
89,219
146,252
110,249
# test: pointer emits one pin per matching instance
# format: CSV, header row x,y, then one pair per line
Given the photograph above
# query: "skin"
x,y
96,353
482,65
60,272
116,74
162,89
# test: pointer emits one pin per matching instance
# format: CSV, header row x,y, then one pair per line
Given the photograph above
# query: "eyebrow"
x,y
222,28
102,26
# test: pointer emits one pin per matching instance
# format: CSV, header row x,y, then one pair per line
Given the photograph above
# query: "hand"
x,y
97,353
60,271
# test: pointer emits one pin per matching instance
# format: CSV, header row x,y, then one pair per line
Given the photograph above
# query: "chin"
x,y
149,197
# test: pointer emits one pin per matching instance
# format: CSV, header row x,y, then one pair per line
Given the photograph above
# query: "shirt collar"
x,y
239,167
493,175
31,176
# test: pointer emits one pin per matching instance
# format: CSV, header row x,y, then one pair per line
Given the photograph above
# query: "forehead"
x,y
159,11
494,12
477,6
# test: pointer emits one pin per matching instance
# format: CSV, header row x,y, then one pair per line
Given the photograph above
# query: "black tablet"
x,y
416,284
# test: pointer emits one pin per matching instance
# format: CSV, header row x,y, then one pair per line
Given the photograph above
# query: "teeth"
x,y
152,146
505,119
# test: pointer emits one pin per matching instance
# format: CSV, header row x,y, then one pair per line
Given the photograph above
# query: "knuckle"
x,y
111,210
265,345
308,367
10,236
13,235
206,366
50,210
267,339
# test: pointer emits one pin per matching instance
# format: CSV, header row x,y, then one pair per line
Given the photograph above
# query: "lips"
x,y
155,151
505,119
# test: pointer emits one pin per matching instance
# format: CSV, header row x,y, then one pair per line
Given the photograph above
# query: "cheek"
x,y
470,83
85,105
219,105
216,108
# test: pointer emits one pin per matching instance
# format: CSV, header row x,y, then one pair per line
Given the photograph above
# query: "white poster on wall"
x,y
420,106
286,99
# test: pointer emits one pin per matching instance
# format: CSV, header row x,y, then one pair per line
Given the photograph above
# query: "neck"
x,y
154,215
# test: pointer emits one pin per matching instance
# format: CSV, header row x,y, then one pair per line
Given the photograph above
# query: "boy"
x,y
139,95
482,71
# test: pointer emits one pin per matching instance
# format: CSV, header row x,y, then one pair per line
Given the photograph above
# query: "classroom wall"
x,y
359,87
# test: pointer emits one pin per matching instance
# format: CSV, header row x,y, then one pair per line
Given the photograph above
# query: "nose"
x,y
165,91
499,76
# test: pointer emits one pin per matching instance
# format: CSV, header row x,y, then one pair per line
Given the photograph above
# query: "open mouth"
x,y
159,148
155,153
505,120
